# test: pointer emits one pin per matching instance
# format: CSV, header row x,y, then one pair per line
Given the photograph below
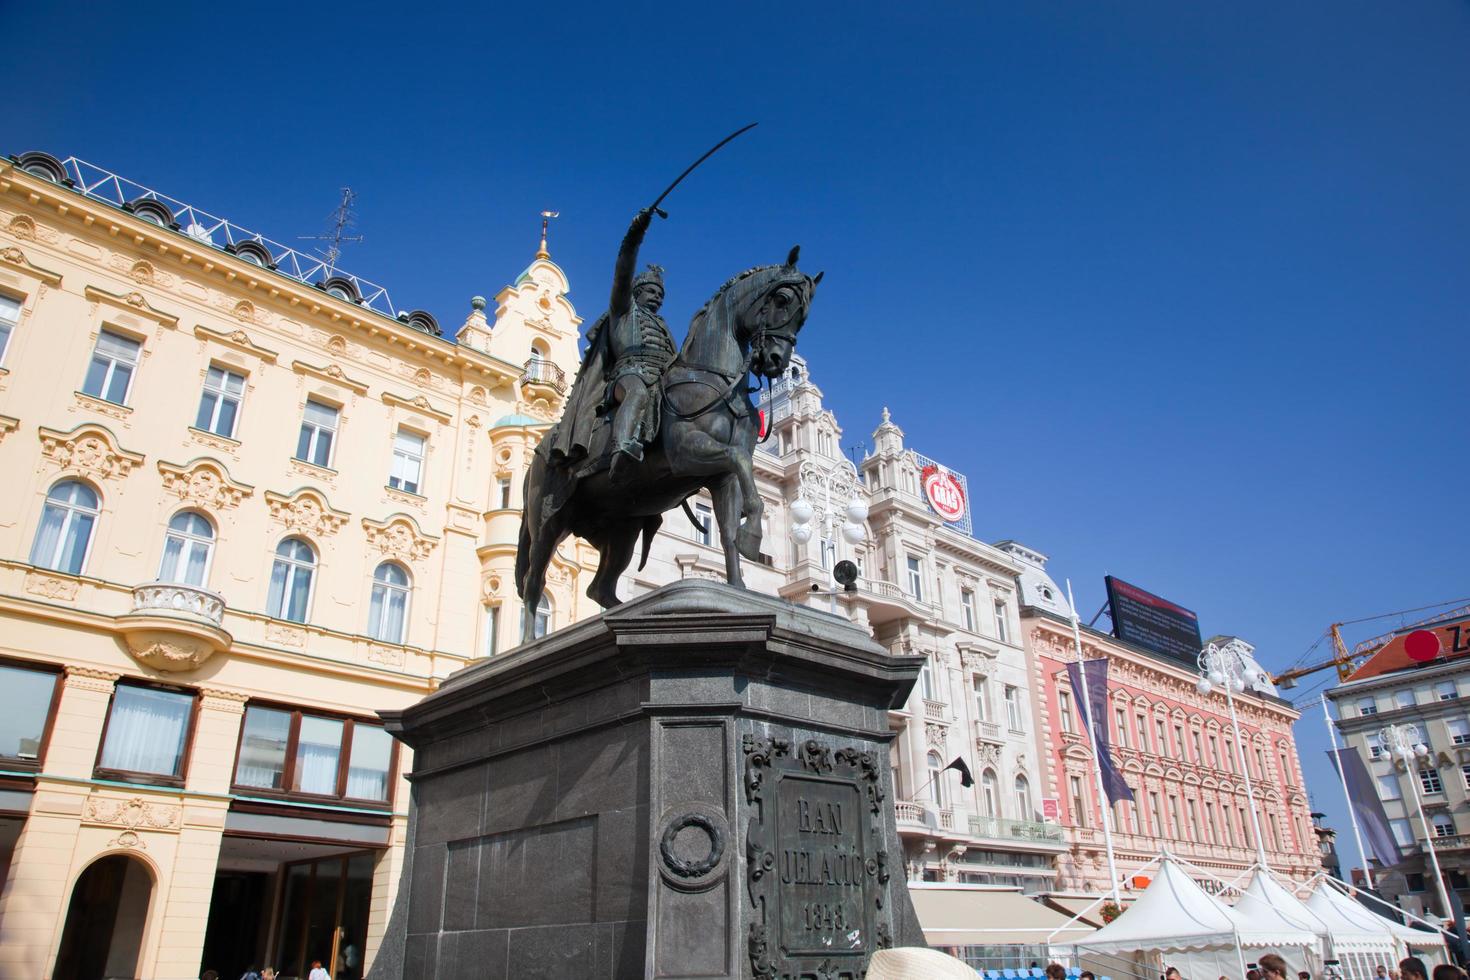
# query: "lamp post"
x,y
828,496
1403,741
1230,666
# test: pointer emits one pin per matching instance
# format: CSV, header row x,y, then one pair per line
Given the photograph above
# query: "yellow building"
x,y
246,504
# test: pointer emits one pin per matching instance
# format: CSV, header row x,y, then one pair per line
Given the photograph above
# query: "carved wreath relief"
x,y
816,867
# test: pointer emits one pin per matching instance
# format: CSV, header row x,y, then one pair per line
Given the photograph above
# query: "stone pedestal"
x,y
695,784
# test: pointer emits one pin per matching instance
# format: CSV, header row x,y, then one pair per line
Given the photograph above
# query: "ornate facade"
x,y
244,509
1176,750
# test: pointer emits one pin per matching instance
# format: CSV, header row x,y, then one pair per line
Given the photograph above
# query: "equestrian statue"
x,y
645,428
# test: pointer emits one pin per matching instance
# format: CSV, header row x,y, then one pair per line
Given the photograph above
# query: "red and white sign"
x,y
1051,810
945,494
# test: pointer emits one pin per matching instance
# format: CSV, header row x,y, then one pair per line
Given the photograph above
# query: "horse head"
x,y
764,308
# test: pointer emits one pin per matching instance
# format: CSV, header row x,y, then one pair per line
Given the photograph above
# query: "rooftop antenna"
x,y
546,216
342,219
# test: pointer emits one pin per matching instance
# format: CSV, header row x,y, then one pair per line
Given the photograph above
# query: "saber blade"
x,y
690,169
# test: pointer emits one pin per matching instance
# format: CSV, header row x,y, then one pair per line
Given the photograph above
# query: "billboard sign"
x,y
1153,623
1051,810
946,492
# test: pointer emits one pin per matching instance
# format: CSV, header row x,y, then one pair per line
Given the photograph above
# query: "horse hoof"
x,y
749,547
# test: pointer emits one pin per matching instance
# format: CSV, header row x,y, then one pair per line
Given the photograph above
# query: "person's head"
x,y
1087,975
648,292
1055,971
316,964
1380,970
1413,968
210,975
1303,975
1273,966
1252,975
1445,971
268,974
1172,973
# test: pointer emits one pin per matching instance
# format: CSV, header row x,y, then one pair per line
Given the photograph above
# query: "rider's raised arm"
x,y
622,289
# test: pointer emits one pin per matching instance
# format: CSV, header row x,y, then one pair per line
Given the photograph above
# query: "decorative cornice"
x,y
418,403
205,482
239,340
13,258
306,510
332,374
399,537
88,449
7,426
91,678
133,814
134,302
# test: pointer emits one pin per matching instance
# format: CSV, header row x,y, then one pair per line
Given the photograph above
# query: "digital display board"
x,y
1153,623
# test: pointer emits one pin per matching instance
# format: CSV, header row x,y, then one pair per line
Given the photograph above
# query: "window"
x,y
1229,759
1179,743
9,317
408,461
1229,826
110,374
187,548
1120,719
1002,623
25,707
1275,831
291,574
936,779
1193,819
65,533
1023,799
543,618
1161,743
916,579
1375,750
1174,816
1403,832
1465,775
504,483
147,731
219,405
1404,699
492,630
967,608
1444,690
1210,825
1013,708
1215,751
990,793
1199,752
1429,781
285,751
1388,787
1142,733
318,429
1285,769
1158,829
982,698
1064,709
388,612
1260,763
1245,830
1077,801
926,681
1444,825
829,553
1367,706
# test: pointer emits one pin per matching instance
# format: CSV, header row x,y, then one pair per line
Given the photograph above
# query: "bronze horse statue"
x,y
706,439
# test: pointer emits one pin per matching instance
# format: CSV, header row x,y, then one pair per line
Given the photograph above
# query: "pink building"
x,y
1174,747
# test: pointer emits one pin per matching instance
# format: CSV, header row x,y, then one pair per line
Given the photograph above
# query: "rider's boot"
x,y
625,461
627,447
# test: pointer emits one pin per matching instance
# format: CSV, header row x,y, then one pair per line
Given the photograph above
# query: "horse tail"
x,y
523,544
650,528
698,525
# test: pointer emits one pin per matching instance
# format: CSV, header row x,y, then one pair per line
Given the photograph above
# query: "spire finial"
x,y
546,216
886,417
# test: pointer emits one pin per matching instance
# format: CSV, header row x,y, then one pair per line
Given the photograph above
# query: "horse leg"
x,y
748,539
616,550
542,546
727,502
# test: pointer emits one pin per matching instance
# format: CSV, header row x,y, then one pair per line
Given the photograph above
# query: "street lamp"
x,y
1230,666
828,496
1403,741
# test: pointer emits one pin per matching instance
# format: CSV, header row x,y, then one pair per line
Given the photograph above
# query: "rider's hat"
x,y
654,274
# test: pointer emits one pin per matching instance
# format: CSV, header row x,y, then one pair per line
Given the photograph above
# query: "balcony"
x,y
887,602
988,732
1452,842
906,812
934,711
174,627
540,372
1000,828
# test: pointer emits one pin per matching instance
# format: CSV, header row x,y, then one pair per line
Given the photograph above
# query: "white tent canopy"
x,y
1175,920
1360,921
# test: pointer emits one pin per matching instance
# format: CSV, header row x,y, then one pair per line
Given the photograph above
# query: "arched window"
x,y
990,793
1023,799
389,610
187,549
65,533
936,780
291,575
543,617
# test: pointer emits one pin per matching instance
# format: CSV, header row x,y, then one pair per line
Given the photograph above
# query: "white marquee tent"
x,y
1361,939
1175,923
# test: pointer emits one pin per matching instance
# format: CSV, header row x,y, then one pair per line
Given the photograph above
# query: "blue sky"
x,y
1182,288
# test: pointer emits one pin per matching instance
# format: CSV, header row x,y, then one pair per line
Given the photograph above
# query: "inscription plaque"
x,y
816,867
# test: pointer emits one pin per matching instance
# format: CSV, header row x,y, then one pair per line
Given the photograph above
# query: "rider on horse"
x,y
628,350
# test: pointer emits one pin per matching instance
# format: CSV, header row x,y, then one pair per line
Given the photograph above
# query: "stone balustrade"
x,y
174,598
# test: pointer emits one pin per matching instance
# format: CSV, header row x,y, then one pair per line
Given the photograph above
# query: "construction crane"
x,y
1346,661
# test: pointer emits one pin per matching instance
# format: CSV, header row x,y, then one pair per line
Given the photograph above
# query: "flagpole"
x,y
1104,806
1348,797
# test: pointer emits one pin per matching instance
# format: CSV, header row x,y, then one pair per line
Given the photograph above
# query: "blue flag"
x,y
1368,808
1097,686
